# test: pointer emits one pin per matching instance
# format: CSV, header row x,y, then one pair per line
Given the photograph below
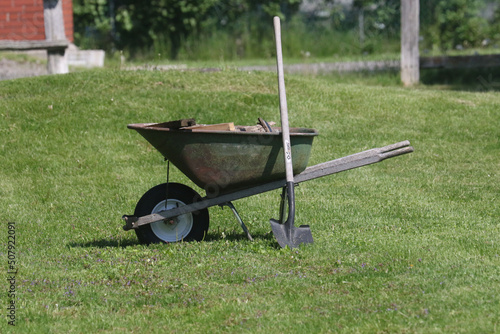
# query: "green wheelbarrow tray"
x,y
221,162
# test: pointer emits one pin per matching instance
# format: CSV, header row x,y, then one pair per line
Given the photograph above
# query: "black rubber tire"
x,y
192,226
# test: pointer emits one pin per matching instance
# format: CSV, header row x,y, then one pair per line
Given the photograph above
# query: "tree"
x,y
494,31
450,24
141,24
249,22
157,24
92,23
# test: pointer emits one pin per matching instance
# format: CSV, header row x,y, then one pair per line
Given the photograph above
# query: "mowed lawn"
x,y
408,245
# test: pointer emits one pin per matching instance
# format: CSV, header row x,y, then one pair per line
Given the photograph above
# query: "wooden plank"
x,y
9,45
410,72
181,123
212,127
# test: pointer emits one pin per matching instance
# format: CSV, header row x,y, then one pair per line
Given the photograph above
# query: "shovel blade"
x,y
291,236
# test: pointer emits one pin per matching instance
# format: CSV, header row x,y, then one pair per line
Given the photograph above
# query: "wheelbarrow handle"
x,y
323,169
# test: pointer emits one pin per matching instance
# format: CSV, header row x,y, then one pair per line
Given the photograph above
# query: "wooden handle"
x,y
287,147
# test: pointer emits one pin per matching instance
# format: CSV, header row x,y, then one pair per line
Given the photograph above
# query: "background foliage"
x,y
234,29
450,24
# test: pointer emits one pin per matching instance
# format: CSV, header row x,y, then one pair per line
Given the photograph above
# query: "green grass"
x,y
160,60
409,245
21,57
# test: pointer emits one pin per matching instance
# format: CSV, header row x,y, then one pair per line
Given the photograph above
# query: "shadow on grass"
x,y
467,79
104,243
212,236
463,79
233,235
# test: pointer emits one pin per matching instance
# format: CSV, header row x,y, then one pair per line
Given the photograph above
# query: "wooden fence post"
x,y
410,14
54,31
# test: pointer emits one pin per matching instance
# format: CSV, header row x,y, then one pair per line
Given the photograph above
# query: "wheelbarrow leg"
x,y
243,226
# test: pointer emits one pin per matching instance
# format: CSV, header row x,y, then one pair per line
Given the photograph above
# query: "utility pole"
x,y
410,25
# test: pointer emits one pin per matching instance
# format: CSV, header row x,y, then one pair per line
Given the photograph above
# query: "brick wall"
x,y
23,19
68,18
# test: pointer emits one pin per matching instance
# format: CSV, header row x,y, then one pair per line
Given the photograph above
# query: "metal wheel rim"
x,y
175,229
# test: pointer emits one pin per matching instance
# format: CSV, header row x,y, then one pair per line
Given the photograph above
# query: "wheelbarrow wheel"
x,y
187,227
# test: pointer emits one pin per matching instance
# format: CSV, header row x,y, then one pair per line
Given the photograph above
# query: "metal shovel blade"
x,y
286,233
291,236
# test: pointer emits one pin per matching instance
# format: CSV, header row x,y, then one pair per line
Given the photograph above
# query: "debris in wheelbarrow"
x,y
229,163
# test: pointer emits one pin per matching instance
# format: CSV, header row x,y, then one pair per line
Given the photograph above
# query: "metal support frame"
x,y
236,214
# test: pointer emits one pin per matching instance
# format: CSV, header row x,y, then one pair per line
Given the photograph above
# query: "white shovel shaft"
x,y
287,147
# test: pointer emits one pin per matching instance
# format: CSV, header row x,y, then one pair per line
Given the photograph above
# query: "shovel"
x,y
286,233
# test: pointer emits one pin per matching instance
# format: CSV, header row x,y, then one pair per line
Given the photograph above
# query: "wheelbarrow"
x,y
228,165
232,162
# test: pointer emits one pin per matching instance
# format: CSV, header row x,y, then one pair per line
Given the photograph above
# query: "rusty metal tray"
x,y
225,161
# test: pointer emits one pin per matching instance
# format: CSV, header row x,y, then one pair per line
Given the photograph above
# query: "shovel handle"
x,y
285,129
